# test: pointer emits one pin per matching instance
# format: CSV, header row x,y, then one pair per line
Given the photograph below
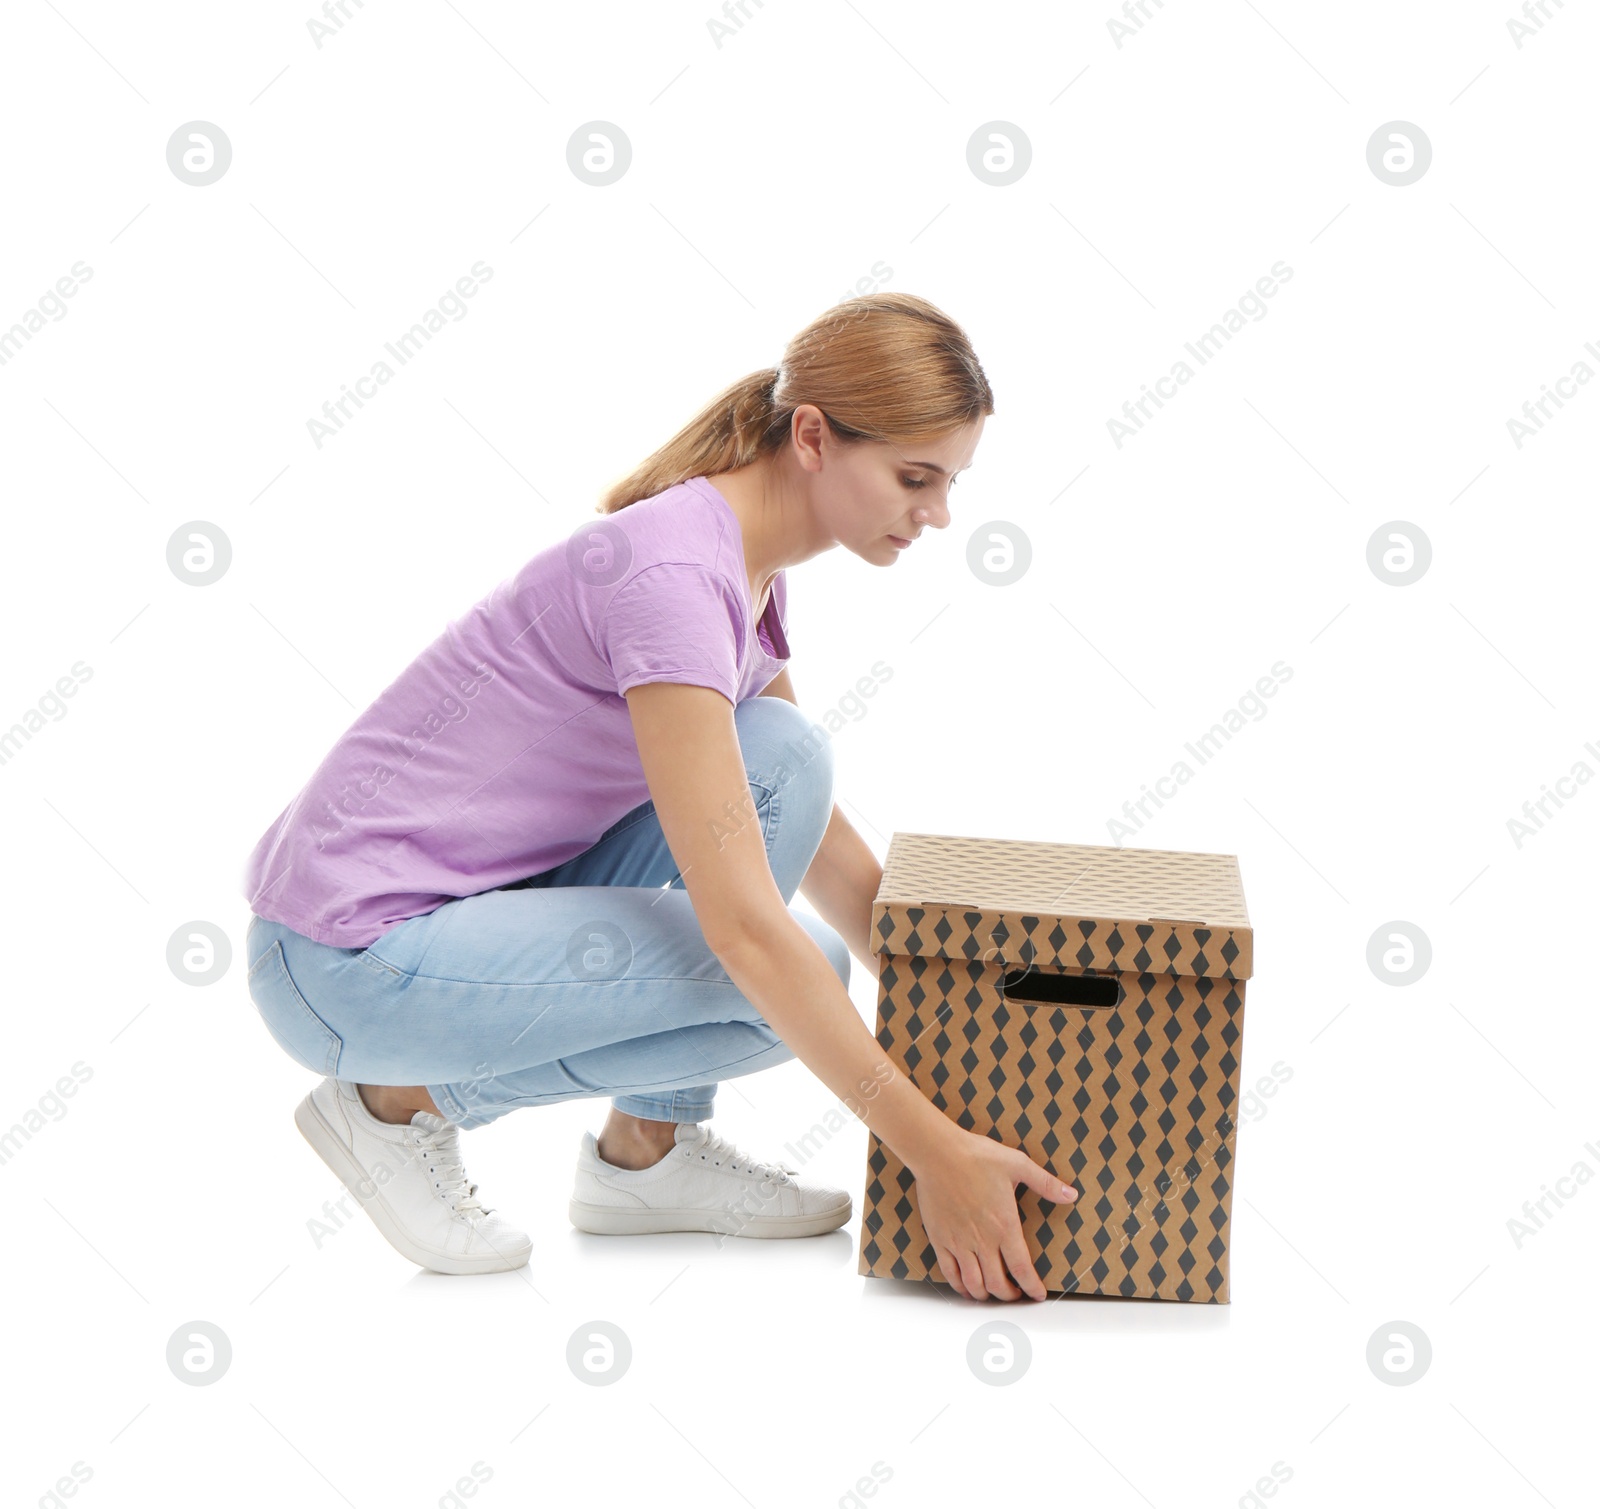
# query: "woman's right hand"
x,y
966,1196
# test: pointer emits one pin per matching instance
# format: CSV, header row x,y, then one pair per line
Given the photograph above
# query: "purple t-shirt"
x,y
506,746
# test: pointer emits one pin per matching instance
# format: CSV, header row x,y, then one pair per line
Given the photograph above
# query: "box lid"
x,y
1067,906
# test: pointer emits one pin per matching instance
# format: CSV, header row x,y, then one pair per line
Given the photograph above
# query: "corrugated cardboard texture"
x,y
1079,906
1132,1103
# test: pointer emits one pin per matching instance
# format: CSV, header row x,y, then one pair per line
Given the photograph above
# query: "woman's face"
x,y
878,494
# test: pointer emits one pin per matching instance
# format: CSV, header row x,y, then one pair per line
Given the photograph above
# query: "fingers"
x,y
1041,1181
1014,1249
973,1277
996,1280
972,1285
991,1257
950,1271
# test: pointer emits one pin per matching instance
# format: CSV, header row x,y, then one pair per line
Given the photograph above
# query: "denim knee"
x,y
781,744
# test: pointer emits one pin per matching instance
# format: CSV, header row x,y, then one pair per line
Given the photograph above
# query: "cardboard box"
x,y
1086,1005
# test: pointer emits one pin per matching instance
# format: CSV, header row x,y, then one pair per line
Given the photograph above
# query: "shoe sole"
x,y
325,1143
608,1220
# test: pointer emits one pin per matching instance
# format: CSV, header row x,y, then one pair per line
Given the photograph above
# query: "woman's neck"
x,y
775,525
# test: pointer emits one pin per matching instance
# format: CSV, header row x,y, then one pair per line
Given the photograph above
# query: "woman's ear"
x,y
808,434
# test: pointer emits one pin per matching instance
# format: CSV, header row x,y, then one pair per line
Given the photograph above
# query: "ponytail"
x,y
886,367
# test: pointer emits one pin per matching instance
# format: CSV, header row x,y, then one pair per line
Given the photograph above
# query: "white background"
x,y
768,175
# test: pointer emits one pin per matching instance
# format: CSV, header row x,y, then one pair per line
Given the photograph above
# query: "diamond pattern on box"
x,y
1131,1099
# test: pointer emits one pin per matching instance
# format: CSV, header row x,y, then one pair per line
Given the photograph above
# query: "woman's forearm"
x,y
841,884
790,981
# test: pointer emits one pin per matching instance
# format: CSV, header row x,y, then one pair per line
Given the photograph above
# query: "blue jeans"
x,y
589,979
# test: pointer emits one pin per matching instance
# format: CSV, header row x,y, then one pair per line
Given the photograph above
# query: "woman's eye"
x,y
915,481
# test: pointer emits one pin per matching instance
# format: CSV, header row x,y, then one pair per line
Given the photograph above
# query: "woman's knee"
x,y
782,745
300,1030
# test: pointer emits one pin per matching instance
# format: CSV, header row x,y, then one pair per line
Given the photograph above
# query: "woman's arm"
x,y
966,1181
842,883
689,749
844,877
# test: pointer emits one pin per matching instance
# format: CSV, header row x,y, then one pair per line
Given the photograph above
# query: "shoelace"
x,y
717,1148
440,1148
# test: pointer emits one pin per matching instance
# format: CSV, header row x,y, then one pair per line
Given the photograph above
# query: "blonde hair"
x,y
885,366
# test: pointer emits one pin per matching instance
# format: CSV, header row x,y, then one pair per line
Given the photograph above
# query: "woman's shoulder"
x,y
685,512
684,526
677,543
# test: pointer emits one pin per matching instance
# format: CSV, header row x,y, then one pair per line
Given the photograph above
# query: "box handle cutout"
x,y
1061,990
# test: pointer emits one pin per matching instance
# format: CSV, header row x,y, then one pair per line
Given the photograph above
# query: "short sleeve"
x,y
674,621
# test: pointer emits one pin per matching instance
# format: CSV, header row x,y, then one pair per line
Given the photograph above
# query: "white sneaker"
x,y
704,1183
409,1179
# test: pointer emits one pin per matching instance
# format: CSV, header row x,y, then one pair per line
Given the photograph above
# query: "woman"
x,y
554,858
